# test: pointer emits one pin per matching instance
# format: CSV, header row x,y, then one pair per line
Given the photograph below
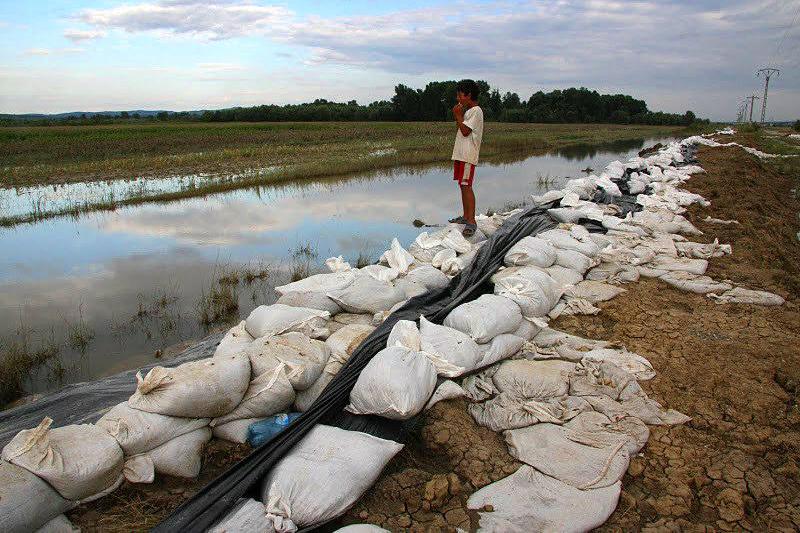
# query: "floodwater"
x,y
129,281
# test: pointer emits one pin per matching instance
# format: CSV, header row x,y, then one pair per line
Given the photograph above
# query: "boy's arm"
x,y
458,113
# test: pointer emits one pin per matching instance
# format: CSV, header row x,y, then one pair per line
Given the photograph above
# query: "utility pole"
x,y
752,99
767,73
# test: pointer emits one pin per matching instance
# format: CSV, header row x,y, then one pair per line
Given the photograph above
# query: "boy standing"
x,y
469,119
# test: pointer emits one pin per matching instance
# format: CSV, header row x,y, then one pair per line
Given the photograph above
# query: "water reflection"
x,y
115,263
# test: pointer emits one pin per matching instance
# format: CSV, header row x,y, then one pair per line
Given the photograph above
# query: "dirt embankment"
x,y
733,368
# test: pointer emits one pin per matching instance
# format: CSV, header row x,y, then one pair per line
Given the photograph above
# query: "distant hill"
x,y
143,113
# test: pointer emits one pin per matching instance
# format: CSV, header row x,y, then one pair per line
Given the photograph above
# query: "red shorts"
x,y
463,173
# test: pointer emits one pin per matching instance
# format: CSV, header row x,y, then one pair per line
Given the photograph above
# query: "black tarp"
x,y
83,403
213,501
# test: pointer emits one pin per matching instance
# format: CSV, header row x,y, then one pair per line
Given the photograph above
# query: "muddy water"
x,y
130,280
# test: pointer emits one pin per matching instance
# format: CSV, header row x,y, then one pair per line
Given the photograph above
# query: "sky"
x,y
96,55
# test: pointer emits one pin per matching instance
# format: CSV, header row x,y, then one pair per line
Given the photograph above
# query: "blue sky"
x,y
93,55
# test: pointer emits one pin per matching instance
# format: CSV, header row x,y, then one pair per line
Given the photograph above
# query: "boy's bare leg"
x,y
468,202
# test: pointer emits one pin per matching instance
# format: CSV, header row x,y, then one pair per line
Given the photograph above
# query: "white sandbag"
x,y
397,257
631,362
425,247
234,341
59,524
450,351
379,272
533,379
344,341
501,347
26,501
78,461
410,289
347,319
563,275
485,317
532,289
367,295
337,264
323,475
526,330
683,264
528,500
531,251
180,457
246,516
441,257
269,320
302,357
574,261
551,338
564,240
549,196
453,239
594,291
235,430
488,224
319,283
613,273
205,388
268,394
310,300
547,448
406,334
395,384
446,391
428,276
138,431
703,250
740,295
453,265
687,281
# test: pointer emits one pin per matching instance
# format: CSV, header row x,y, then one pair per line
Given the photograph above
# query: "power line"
x,y
785,34
752,99
767,73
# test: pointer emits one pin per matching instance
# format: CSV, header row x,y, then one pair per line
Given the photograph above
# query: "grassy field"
x,y
50,155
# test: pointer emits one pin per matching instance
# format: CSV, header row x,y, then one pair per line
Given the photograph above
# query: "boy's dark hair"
x,y
468,87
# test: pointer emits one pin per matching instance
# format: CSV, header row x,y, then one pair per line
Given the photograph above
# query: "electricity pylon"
x,y
752,99
767,73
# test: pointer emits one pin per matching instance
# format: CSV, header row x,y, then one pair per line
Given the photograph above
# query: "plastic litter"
x,y
395,384
265,430
321,477
207,388
78,461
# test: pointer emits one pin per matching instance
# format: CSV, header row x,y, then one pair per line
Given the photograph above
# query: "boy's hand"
x,y
458,111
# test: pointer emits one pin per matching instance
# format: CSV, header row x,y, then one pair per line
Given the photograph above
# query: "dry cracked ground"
x,y
733,368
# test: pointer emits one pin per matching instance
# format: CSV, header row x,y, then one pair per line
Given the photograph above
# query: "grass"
x,y
220,304
364,259
236,155
20,357
302,257
79,334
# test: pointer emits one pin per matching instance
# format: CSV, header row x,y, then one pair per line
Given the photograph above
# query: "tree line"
x,y
434,103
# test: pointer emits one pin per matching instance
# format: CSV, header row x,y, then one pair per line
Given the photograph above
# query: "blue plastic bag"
x,y
262,431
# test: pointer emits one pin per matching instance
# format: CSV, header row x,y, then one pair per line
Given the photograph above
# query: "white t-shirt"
x,y
468,147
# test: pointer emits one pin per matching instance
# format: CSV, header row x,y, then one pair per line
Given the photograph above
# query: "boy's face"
x,y
462,98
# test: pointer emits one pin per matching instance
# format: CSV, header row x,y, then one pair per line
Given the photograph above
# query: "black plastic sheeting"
x,y
214,500
83,403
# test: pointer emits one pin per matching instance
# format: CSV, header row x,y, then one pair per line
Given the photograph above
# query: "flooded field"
x,y
110,290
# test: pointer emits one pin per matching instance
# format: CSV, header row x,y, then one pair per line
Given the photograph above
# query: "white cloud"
x,y
52,51
77,36
211,20
37,52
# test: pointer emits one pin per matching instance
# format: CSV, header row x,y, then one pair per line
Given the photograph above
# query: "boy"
x,y
469,119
